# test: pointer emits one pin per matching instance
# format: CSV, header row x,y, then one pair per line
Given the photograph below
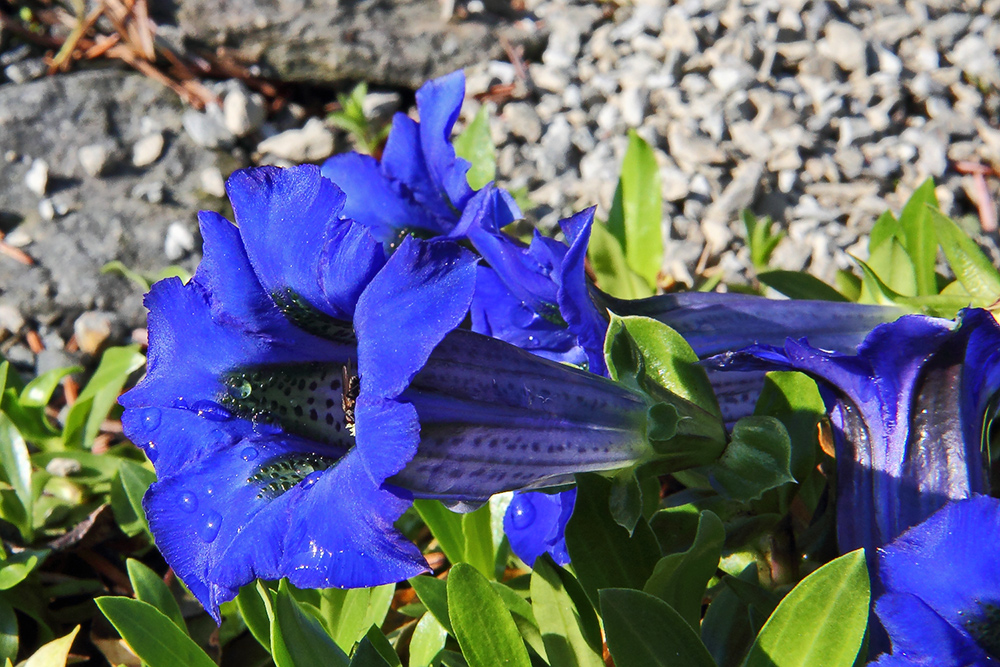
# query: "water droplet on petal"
x,y
151,418
211,523
209,490
522,512
180,404
211,411
249,454
189,501
152,453
311,479
241,390
220,438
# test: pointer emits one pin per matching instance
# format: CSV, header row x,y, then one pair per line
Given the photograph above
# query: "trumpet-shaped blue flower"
x,y
941,605
535,523
304,386
908,412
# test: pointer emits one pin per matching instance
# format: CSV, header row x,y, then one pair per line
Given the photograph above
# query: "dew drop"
x,y
152,453
211,411
522,512
180,404
311,479
220,438
209,529
151,418
189,501
249,454
241,390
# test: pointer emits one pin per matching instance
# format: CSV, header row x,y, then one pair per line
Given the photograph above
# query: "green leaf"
x,y
56,652
821,622
445,526
524,618
483,626
375,651
614,276
38,392
760,240
153,636
16,471
603,553
475,144
893,267
639,231
972,268
920,239
8,631
429,637
254,612
297,638
756,460
127,490
885,228
150,588
644,631
793,398
18,565
434,594
680,578
477,534
349,613
562,620
797,285
726,629
115,266
83,421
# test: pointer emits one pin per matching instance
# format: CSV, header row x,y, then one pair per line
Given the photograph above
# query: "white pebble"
x,y
37,178
147,150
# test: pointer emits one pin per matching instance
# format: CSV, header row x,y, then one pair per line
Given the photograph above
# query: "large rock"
x,y
86,221
384,42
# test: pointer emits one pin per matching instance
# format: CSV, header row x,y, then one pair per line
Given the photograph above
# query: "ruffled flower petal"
x,y
535,523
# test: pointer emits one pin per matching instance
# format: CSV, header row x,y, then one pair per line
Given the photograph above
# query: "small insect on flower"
x,y
352,388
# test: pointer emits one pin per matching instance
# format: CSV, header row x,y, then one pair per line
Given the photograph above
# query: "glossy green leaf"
x,y
254,612
477,539
153,636
149,587
821,622
56,652
757,459
972,268
637,225
445,526
680,579
429,637
16,471
920,239
434,594
893,267
523,615
797,285
349,613
18,565
614,276
726,629
83,421
602,552
793,398
297,638
562,620
644,631
38,392
127,491
8,631
483,626
475,144
374,650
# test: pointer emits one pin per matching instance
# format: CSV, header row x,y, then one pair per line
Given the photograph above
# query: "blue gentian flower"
x,y
305,385
941,606
908,412
535,523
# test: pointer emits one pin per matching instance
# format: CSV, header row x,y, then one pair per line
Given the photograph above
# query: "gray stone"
x,y
61,466
93,330
243,111
37,178
311,143
845,45
212,182
179,241
147,150
208,128
401,43
523,121
26,70
94,158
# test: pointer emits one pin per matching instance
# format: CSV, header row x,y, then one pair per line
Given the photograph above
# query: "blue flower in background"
x,y
908,412
535,523
941,605
277,456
